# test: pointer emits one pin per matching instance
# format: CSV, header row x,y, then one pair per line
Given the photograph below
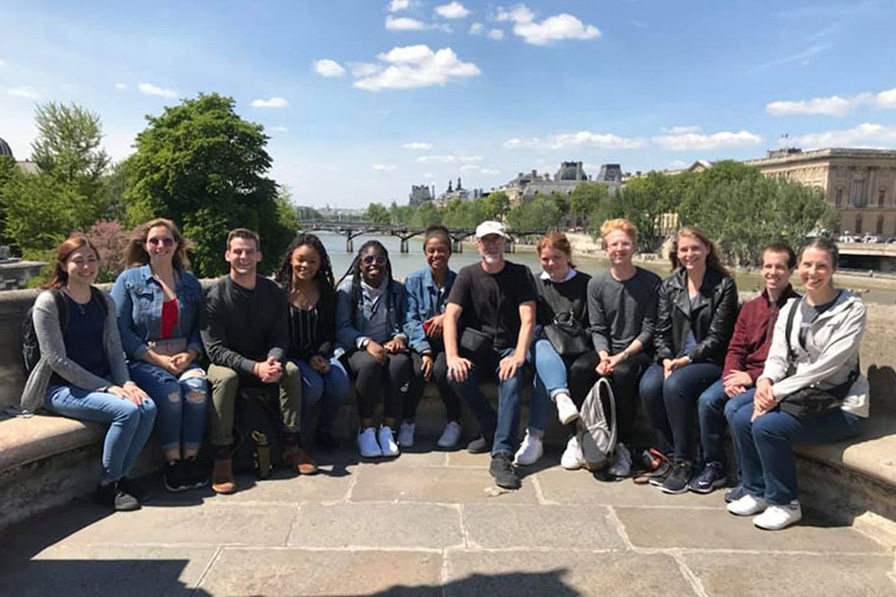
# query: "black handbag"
x,y
476,344
566,335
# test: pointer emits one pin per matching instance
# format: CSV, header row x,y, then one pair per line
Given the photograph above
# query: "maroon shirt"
x,y
753,332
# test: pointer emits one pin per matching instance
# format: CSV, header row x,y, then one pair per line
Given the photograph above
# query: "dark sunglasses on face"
x,y
371,259
168,242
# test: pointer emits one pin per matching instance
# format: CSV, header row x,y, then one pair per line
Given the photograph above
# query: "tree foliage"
x,y
111,240
41,212
539,215
378,214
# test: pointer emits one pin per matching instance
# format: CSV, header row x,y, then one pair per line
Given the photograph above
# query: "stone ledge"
x,y
873,454
24,440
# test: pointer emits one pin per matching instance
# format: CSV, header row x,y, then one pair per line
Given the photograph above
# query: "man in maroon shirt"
x,y
744,362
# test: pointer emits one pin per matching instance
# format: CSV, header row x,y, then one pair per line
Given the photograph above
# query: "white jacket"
x,y
831,353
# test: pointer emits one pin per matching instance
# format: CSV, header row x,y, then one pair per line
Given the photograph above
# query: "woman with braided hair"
x,y
307,278
370,308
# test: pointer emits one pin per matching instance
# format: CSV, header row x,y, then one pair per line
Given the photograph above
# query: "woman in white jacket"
x,y
810,390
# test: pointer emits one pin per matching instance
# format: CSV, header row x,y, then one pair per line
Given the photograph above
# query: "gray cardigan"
x,y
53,357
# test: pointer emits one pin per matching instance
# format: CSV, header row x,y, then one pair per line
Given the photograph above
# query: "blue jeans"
x,y
671,404
181,402
550,380
504,423
130,424
332,386
764,447
711,408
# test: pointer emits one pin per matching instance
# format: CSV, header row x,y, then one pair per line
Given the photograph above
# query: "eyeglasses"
x,y
371,259
167,241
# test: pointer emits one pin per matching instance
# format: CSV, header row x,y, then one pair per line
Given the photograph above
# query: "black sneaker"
x,y
732,495
196,473
501,468
480,445
677,481
133,488
325,440
711,477
658,477
114,497
175,476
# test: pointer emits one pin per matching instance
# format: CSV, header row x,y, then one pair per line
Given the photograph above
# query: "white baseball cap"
x,y
490,227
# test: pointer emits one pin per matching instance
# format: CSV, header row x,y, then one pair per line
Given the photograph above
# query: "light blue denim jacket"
x,y
424,301
138,302
349,333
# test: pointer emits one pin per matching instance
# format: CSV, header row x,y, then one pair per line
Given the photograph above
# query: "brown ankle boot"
x,y
222,477
297,458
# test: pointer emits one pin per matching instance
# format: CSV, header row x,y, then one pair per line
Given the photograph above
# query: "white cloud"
x,y
121,86
452,10
466,167
417,66
404,24
364,69
833,105
700,142
886,99
489,171
555,28
417,145
397,5
280,129
328,68
273,102
383,167
678,165
496,34
427,176
680,130
26,92
477,29
804,57
2,64
451,158
575,140
150,89
863,135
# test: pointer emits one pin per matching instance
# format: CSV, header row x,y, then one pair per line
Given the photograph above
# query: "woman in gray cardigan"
x,y
82,372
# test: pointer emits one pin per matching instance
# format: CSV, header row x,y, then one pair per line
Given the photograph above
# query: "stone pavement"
x,y
433,523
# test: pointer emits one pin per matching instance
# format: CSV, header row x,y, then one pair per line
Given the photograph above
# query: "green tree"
x,y
638,205
541,214
200,164
586,197
41,212
400,215
378,214
425,215
496,205
8,170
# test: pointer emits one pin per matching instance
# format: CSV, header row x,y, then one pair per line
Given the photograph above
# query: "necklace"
x,y
82,307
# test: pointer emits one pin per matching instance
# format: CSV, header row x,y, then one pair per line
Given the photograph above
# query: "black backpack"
x,y
257,422
30,345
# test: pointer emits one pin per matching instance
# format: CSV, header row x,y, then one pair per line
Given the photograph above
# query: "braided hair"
x,y
354,270
324,275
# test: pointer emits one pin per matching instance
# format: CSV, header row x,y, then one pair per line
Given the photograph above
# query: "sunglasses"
x,y
371,259
167,241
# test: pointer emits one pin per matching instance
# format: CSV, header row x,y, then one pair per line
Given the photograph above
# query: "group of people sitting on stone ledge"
x,y
781,370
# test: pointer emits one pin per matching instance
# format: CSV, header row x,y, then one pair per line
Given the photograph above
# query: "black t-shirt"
x,y
490,302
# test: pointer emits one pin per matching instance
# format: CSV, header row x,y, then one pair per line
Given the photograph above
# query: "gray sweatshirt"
x,y
54,360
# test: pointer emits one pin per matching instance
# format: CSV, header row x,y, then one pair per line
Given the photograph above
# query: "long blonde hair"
x,y
136,255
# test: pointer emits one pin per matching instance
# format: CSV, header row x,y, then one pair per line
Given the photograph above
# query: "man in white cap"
x,y
497,300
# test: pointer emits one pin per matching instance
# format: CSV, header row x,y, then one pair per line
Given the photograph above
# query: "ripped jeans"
x,y
180,402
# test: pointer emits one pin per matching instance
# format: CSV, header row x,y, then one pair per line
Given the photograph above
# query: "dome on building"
x,y
5,149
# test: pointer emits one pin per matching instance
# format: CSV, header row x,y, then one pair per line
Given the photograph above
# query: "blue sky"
x,y
363,98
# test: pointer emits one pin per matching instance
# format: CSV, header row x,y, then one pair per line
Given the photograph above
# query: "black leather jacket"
x,y
712,319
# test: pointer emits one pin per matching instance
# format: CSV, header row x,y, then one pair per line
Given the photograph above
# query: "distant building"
x,y
526,187
459,193
26,166
421,193
859,183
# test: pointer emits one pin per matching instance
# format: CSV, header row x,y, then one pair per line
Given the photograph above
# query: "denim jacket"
x,y
424,301
138,302
348,332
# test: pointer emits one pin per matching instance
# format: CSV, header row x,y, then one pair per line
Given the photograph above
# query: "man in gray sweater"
x,y
246,332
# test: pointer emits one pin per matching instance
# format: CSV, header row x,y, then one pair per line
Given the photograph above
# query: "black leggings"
x,y
391,380
580,375
625,380
440,377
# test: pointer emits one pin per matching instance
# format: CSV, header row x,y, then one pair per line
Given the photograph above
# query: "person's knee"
x,y
768,427
313,388
711,401
223,377
148,408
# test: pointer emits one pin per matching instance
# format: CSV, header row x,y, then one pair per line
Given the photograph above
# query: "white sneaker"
x,y
387,442
572,458
368,445
776,517
566,408
530,450
622,463
747,506
406,435
450,436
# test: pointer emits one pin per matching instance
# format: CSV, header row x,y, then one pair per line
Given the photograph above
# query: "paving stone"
x,y
763,575
560,527
580,487
431,484
91,570
300,572
210,524
465,459
378,525
717,529
537,574
321,487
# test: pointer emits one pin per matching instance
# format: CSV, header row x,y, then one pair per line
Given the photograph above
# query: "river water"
x,y
406,263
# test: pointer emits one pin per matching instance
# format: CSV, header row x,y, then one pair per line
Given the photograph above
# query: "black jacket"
x,y
712,319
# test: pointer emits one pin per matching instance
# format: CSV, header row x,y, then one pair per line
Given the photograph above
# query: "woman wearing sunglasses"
x,y
157,301
370,308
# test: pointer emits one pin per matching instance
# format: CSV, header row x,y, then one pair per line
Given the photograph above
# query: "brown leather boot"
x,y
222,477
297,458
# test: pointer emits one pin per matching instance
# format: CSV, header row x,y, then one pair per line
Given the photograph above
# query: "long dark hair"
x,y
324,275
354,270
713,261
59,278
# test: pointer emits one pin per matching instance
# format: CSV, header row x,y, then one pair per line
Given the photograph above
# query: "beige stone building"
x,y
860,183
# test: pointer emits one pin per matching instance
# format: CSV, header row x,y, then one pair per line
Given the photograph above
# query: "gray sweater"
x,y
621,312
53,358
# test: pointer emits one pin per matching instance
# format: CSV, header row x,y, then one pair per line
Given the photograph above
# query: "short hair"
x,y
781,247
826,245
439,232
243,233
620,224
556,240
